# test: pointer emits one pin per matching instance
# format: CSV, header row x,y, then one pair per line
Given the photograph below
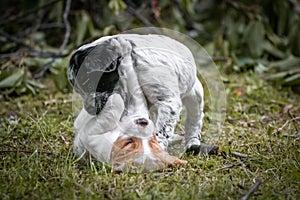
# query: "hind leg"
x,y
194,105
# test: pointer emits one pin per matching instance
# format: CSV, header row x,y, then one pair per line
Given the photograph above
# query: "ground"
x,y
262,121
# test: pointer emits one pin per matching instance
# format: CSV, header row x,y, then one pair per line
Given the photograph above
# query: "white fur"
x,y
97,133
157,77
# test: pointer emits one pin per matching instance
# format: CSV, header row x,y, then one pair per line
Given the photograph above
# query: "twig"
x,y
42,54
136,14
31,52
43,69
15,39
29,12
240,155
48,65
230,166
294,120
67,25
285,124
258,181
34,53
226,167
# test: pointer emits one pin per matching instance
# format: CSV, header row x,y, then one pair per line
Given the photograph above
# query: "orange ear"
x,y
153,143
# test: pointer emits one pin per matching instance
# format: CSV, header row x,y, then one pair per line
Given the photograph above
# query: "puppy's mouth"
x,y
130,154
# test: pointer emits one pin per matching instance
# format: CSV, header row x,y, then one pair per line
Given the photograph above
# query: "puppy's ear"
x,y
110,115
75,63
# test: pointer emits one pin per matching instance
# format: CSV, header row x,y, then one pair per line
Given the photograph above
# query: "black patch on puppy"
x,y
93,79
75,63
94,102
109,78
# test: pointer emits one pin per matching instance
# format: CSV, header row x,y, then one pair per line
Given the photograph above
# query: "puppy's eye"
x,y
128,142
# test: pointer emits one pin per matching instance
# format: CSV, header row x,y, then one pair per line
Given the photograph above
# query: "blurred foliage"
x,y
257,35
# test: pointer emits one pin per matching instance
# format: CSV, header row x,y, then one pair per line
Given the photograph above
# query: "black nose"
x,y
141,121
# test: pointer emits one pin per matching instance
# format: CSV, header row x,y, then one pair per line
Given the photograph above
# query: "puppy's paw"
x,y
193,146
180,162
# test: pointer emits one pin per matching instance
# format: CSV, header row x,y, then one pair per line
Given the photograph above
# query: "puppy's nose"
x,y
142,121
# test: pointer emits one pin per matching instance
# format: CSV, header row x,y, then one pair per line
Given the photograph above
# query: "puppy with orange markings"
x,y
133,89
127,144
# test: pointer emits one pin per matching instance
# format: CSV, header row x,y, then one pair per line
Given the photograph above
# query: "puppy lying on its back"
x,y
133,87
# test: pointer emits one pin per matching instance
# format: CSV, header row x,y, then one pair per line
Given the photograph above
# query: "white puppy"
x,y
133,88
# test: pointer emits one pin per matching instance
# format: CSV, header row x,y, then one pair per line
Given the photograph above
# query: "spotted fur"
x,y
142,68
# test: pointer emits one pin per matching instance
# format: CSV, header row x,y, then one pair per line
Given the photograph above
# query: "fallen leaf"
x,y
286,108
243,124
237,92
265,119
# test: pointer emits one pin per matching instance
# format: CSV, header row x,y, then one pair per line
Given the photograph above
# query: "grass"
x,y
37,160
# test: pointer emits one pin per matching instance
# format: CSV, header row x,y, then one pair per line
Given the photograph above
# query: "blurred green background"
x,y
37,37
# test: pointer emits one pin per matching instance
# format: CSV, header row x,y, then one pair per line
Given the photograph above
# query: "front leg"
x,y
165,114
194,105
